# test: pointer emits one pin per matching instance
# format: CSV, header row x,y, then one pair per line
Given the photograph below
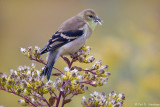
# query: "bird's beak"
x,y
98,20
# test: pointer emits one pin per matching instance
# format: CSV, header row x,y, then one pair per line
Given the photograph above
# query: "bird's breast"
x,y
76,44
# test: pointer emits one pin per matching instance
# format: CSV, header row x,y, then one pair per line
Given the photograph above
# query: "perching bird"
x,y
70,37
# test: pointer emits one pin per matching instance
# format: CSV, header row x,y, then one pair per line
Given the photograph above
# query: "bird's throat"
x,y
92,25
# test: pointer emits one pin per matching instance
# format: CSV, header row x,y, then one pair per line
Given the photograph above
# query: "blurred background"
x,y
128,41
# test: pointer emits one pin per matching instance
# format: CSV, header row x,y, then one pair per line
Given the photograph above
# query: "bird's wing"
x,y
62,37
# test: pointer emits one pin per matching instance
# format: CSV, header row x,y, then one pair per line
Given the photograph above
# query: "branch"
x,y
60,94
69,63
42,62
22,96
90,70
42,98
88,82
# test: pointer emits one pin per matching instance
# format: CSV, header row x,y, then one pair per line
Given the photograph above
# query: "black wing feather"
x,y
60,40
72,34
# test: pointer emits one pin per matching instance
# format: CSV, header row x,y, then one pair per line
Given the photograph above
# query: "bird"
x,y
69,38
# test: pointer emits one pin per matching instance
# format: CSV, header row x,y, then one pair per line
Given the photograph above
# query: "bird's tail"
x,y
47,70
52,57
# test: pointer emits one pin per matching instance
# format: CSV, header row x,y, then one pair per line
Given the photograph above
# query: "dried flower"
x,y
27,83
100,99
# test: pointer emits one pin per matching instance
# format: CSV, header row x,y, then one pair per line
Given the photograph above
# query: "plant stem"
x,y
58,70
88,82
42,62
60,94
42,98
72,96
70,65
91,71
58,100
22,96
38,60
63,102
55,94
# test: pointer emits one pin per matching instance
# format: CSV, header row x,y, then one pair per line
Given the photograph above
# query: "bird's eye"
x,y
90,16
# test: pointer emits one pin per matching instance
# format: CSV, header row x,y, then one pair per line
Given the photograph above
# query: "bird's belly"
x,y
73,46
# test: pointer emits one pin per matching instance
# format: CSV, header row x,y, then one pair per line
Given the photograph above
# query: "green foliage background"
x,y
128,42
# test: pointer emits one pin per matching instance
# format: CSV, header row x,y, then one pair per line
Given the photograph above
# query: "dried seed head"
x,y
84,102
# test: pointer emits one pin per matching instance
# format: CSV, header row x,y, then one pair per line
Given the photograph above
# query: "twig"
x,y
72,96
91,71
70,65
38,60
42,62
42,98
88,82
60,94
63,101
58,70
22,96
55,94
59,98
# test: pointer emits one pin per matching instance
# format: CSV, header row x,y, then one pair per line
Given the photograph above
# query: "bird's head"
x,y
90,17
